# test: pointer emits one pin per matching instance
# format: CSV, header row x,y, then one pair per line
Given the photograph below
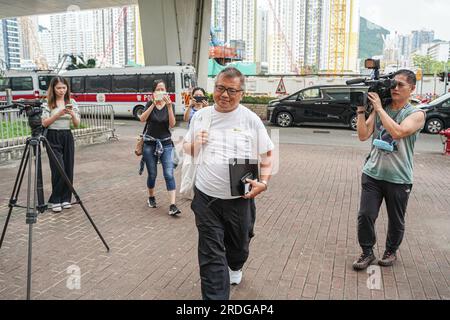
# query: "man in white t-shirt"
x,y
225,223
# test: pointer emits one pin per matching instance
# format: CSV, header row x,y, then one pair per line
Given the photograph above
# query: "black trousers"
x,y
63,146
396,197
225,228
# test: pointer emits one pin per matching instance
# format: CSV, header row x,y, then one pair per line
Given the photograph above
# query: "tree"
x,y
77,62
429,65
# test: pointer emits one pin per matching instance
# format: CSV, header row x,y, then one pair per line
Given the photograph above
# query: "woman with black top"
x,y
159,116
59,113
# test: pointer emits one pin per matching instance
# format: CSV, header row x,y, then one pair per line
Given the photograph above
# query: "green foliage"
x,y
247,99
429,65
80,126
257,100
14,129
77,62
20,128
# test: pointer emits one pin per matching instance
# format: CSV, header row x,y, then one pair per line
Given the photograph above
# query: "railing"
x,y
14,129
96,119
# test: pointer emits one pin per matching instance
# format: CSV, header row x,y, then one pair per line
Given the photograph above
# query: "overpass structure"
x,y
173,31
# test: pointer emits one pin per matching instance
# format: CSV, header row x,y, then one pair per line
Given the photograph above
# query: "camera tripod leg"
x,y
30,254
16,188
52,157
31,215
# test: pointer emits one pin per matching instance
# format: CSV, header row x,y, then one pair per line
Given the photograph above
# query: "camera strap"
x,y
145,129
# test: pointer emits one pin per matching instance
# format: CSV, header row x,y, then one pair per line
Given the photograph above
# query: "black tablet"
x,y
240,169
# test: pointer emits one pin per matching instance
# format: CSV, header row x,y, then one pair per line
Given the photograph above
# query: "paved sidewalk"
x,y
304,246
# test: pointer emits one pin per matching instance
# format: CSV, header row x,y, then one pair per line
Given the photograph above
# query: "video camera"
x,y
33,110
379,84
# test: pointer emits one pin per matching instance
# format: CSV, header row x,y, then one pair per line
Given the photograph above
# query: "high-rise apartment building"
x,y
261,34
11,44
313,35
111,36
284,47
421,37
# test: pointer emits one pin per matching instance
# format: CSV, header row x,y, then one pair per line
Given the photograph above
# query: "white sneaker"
x,y
66,205
56,207
235,276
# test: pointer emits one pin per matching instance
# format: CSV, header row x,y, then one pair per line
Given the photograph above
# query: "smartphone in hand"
x,y
68,106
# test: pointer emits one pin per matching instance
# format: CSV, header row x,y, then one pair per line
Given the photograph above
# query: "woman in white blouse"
x,y
60,112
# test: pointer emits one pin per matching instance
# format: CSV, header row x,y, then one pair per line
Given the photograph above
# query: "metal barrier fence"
x,y
96,119
14,129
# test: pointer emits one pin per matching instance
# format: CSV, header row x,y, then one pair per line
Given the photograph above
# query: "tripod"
x,y
35,188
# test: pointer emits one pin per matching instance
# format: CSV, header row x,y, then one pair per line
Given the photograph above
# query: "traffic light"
x,y
442,76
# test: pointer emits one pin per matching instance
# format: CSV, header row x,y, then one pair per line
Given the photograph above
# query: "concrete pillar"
x,y
176,31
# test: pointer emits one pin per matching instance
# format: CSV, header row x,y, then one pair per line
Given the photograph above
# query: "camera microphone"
x,y
355,81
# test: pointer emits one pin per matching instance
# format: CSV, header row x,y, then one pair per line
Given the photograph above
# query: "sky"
x,y
407,15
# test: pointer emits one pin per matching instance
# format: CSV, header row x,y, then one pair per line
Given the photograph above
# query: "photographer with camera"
x,y
60,111
158,145
388,171
198,101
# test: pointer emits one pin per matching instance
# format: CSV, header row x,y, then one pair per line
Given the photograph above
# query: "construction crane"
x,y
109,49
291,56
337,38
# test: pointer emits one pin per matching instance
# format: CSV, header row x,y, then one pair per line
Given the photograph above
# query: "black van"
x,y
438,114
318,104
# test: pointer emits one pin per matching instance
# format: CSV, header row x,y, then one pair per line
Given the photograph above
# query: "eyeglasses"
x,y
231,91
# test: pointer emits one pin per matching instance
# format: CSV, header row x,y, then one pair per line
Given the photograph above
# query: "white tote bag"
x,y
190,164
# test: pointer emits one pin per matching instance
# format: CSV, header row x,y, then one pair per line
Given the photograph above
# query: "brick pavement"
x,y
304,246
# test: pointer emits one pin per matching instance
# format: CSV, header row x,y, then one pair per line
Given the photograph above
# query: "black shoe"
x,y
364,261
388,259
173,210
151,202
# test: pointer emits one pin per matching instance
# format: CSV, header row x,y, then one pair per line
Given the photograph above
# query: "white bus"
x,y
129,89
25,84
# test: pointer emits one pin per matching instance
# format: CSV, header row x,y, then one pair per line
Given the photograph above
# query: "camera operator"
x,y
388,171
59,113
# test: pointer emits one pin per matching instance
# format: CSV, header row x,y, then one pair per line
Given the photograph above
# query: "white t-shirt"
x,y
237,134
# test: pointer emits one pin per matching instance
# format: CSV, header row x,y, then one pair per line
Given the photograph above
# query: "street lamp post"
x,y
446,77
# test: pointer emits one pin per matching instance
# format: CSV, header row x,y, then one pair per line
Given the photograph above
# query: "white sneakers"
x,y
57,207
66,205
235,276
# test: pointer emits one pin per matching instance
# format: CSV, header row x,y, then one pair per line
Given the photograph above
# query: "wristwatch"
x,y
265,183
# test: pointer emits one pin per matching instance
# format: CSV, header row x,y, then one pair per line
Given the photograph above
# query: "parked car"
x,y
318,104
415,101
438,114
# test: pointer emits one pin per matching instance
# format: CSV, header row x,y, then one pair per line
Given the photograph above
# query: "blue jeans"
x,y
151,162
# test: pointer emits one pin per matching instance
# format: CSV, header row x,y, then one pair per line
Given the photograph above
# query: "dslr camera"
x,y
376,83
